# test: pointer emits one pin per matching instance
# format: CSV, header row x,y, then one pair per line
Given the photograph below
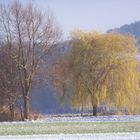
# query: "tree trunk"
x,y
21,113
1,102
82,109
26,107
12,112
94,110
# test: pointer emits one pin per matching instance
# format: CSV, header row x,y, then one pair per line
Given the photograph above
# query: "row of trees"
x,y
100,69
26,37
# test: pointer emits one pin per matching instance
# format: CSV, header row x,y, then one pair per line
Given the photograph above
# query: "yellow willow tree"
x,y
104,70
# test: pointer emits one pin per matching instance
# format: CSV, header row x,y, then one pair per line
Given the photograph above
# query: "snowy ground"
x,y
73,128
101,136
111,118
75,118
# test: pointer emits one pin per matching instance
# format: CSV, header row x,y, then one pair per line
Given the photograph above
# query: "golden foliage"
x,y
105,70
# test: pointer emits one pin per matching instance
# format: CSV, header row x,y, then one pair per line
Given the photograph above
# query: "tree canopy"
x,y
104,69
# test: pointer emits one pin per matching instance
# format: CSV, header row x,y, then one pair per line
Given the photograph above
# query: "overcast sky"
x,y
99,15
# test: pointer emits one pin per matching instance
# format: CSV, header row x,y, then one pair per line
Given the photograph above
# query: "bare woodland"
x,y
28,35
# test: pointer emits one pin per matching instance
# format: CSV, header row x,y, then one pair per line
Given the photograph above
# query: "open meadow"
x,y
65,128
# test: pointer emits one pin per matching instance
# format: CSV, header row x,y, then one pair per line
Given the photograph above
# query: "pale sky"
x,y
99,15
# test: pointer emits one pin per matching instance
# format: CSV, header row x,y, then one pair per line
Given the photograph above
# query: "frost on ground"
x,y
101,136
111,118
73,128
74,118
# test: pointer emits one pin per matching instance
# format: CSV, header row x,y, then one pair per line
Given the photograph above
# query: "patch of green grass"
x,y
68,128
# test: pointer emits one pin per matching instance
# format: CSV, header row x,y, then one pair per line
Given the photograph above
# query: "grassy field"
x,y
36,128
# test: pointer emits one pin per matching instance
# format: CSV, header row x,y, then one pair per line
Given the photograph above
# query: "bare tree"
x,y
33,34
9,83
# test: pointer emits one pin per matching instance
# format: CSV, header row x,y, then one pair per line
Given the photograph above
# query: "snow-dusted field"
x,y
101,136
75,118
111,118
73,128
